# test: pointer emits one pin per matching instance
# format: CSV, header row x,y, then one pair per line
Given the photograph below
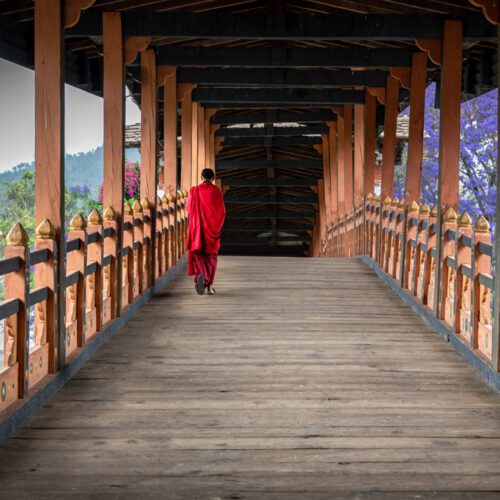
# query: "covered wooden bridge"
x,y
320,369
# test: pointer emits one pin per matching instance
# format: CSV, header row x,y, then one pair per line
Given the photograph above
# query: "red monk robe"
x,y
206,217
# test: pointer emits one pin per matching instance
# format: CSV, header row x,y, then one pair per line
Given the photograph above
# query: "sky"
x,y
84,115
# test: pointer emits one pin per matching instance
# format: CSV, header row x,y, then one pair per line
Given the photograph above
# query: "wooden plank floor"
x,y
302,378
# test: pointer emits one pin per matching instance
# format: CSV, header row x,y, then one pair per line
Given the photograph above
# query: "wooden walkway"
x,y
303,378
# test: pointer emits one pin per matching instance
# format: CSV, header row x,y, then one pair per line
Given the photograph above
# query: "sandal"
x,y
200,285
212,292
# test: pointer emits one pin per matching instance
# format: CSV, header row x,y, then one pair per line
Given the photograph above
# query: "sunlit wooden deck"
x,y
302,378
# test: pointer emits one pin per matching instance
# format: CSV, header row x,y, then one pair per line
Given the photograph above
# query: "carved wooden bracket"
x,y
378,92
73,10
164,73
134,45
403,75
433,47
183,89
490,8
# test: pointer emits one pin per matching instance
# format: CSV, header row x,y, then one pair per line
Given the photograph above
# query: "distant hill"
x,y
81,168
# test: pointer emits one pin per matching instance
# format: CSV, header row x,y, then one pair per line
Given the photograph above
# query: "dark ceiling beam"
x,y
274,116
279,77
270,141
263,200
270,182
276,131
283,97
257,228
283,57
284,26
284,250
281,214
263,164
265,241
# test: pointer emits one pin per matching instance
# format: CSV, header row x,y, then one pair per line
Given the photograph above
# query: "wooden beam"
x,y
170,133
149,127
285,96
348,159
201,141
274,116
270,200
390,126
276,131
284,57
370,132
341,165
264,164
257,228
271,141
327,179
416,129
114,125
359,152
280,214
332,139
195,179
49,142
274,182
267,77
284,26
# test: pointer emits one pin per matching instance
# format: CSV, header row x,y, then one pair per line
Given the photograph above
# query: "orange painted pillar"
x,y
327,179
186,136
390,125
348,173
416,130
170,133
49,143
332,140
322,215
149,105
201,139
369,148
449,150
194,143
340,166
359,152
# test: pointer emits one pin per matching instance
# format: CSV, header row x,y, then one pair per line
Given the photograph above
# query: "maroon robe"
x,y
206,217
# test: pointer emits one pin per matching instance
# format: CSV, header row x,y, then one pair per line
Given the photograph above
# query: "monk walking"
x,y
206,217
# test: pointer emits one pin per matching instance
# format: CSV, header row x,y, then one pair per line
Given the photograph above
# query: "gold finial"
x,y
369,197
401,204
77,223
413,207
450,215
136,207
127,209
94,217
109,213
387,201
158,201
465,220
164,200
144,204
45,230
434,211
17,236
171,197
185,193
395,202
482,225
425,209
180,195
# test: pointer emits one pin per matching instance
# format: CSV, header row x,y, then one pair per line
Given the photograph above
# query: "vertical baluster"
x,y
447,285
147,247
160,247
95,252
430,265
111,287
463,288
129,284
420,258
411,235
140,279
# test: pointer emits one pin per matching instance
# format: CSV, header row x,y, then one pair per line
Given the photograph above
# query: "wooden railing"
x,y
403,243
93,297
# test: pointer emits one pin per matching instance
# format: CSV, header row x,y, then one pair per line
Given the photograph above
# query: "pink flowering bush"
x,y
132,181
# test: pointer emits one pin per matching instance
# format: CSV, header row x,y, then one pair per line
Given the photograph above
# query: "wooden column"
x,y
322,213
114,124
332,140
194,143
201,139
416,130
370,133
348,160
359,152
211,146
340,165
186,134
149,103
449,134
390,125
49,141
170,132
327,179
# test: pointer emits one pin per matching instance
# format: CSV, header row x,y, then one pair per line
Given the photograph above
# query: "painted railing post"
x,y
129,284
399,241
385,217
76,261
140,279
173,228
94,281
112,288
147,243
16,330
430,271
464,288
448,274
411,237
421,256
482,332
165,222
159,237
391,236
